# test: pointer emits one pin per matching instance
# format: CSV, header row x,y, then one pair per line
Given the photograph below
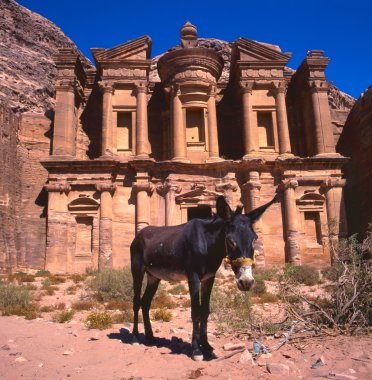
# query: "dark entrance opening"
x,y
200,212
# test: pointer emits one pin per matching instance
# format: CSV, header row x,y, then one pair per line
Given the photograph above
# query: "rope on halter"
x,y
241,261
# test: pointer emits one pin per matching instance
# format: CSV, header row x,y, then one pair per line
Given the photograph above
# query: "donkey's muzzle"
x,y
244,279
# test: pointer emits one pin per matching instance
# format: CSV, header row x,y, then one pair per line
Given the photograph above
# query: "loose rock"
x,y
20,359
233,346
277,368
246,357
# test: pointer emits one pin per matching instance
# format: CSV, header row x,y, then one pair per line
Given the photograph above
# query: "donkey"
x,y
194,251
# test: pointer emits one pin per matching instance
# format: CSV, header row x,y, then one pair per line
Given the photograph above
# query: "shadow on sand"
x,y
176,345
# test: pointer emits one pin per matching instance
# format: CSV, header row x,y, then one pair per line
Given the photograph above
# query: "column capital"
x,y
164,188
223,187
318,86
250,185
141,88
290,183
279,87
67,85
106,86
246,87
212,90
143,186
106,186
175,90
333,182
58,187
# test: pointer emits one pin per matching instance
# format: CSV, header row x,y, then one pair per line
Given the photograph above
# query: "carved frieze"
x,y
195,75
125,73
261,73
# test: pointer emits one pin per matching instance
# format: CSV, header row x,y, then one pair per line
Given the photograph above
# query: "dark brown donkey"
x,y
194,251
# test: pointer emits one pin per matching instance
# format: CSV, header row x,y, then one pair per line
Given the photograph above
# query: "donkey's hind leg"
x,y
137,274
148,295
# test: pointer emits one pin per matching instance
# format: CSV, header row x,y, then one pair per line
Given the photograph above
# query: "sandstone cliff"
x,y
28,42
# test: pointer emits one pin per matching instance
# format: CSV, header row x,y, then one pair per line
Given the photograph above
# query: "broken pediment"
x,y
137,49
247,50
198,195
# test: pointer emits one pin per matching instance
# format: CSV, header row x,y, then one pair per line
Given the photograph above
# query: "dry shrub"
x,y
46,309
83,305
231,308
348,305
161,315
118,305
42,273
186,303
113,284
55,279
125,316
99,320
21,277
267,274
332,273
163,300
60,306
265,298
303,274
76,277
259,286
178,289
63,316
72,289
17,300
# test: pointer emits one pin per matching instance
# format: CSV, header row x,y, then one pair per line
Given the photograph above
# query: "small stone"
x,y
342,376
68,352
92,338
266,356
320,362
277,369
246,357
20,359
6,347
40,365
233,346
10,340
351,370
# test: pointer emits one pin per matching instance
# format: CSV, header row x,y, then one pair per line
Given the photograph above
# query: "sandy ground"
x,y
60,351
42,349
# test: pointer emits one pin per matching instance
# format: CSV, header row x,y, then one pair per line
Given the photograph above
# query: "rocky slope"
x,y
28,42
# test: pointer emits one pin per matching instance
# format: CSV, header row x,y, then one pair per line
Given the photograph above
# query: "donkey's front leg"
x,y
194,289
206,290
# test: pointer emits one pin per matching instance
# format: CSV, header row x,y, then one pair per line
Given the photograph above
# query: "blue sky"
x,y
343,29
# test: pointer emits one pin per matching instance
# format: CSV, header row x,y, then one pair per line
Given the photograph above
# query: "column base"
x,y
252,155
180,159
108,155
214,159
328,155
286,155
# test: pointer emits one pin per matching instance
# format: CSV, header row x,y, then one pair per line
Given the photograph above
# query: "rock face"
x,y
27,43
356,142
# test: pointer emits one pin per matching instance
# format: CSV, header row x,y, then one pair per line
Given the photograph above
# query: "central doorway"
x,y
200,212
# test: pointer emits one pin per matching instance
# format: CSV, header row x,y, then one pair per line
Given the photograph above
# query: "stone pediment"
x,y
137,49
197,196
251,51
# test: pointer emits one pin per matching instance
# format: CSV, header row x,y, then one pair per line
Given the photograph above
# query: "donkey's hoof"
x,y
209,355
197,356
134,341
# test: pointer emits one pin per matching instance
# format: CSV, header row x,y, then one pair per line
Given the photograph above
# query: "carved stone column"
x,y
56,258
64,134
169,191
282,120
332,187
105,224
250,132
324,141
292,247
227,189
251,190
142,139
143,189
178,127
108,144
212,125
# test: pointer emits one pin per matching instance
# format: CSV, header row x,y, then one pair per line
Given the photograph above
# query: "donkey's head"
x,y
239,238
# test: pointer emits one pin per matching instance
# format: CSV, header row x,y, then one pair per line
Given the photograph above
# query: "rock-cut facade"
x,y
139,141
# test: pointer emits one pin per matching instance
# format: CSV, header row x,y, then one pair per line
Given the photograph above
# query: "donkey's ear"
x,y
223,209
256,214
